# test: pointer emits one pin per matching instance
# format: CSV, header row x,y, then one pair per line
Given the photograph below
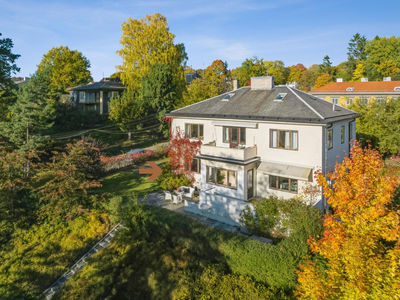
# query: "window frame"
x,y
216,179
335,101
330,141
349,101
227,138
82,96
342,134
277,184
350,131
191,166
277,139
188,133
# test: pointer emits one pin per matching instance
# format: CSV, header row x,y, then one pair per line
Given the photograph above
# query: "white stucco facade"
x,y
224,203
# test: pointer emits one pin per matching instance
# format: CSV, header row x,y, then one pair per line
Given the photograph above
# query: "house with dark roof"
x,y
345,93
191,76
96,95
261,141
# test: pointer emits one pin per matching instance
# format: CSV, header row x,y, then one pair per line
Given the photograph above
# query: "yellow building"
x,y
346,93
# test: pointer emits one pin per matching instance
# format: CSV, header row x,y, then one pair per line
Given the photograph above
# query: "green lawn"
x,y
128,181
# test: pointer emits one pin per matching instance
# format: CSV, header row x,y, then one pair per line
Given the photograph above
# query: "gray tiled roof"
x,y
101,85
249,104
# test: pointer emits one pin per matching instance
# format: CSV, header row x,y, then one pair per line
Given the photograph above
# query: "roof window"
x,y
228,97
397,88
280,96
350,89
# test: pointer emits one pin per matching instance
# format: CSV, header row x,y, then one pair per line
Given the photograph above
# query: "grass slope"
x,y
128,181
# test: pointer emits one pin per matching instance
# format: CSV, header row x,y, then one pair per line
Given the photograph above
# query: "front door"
x,y
233,137
250,184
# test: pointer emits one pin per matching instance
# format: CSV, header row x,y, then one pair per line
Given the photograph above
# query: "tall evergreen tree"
x,y
357,53
33,113
7,68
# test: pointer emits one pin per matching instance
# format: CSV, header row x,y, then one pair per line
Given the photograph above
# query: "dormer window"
x,y
397,89
228,97
350,89
280,96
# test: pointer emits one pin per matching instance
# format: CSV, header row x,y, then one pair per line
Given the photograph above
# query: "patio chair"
x,y
177,199
187,191
168,195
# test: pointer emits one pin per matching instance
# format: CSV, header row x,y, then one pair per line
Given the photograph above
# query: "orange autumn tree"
x,y
361,238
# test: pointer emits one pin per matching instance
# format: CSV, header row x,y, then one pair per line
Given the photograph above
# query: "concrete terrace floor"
x,y
158,199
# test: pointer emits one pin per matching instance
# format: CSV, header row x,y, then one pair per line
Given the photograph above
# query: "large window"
x,y
330,138
342,134
195,167
283,184
234,135
349,101
222,177
194,131
335,100
82,96
113,94
284,139
90,97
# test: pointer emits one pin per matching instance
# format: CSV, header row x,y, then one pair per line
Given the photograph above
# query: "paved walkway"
x,y
158,199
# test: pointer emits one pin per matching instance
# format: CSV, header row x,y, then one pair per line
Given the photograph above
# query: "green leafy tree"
x,y
146,42
251,67
34,111
159,92
67,68
307,81
126,109
359,72
380,124
7,68
277,69
198,90
388,69
381,50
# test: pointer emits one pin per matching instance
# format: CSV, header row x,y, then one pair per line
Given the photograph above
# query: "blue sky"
x,y
294,31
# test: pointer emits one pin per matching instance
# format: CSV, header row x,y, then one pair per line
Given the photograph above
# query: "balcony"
x,y
241,154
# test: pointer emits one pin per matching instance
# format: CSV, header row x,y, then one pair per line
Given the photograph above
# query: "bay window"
x,y
222,177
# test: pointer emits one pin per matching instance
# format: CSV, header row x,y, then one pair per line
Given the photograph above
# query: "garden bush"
x,y
168,180
280,218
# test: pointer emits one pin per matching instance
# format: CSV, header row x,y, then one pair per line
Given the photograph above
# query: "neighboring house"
x,y
191,76
260,141
96,95
20,81
345,93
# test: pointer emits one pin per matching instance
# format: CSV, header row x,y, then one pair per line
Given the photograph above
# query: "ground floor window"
x,y
222,177
283,184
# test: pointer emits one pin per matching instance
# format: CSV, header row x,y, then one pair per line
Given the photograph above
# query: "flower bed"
x,y
124,160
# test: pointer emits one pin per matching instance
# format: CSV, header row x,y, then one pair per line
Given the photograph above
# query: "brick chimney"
x,y
262,83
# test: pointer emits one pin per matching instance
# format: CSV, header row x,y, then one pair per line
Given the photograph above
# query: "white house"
x,y
259,141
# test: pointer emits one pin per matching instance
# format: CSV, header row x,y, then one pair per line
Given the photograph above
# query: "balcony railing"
x,y
242,154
